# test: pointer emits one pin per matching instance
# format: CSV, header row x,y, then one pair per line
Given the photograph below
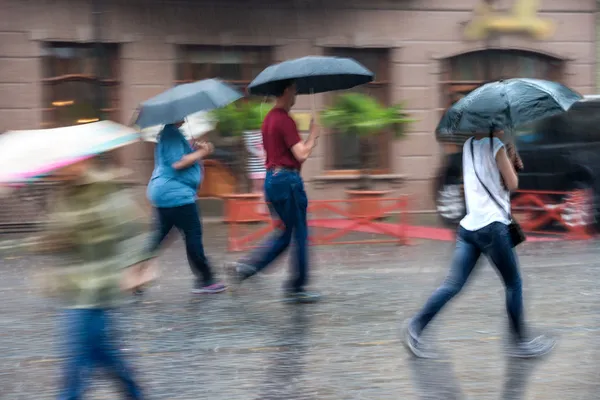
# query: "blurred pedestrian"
x,y
256,163
284,190
172,191
99,232
489,176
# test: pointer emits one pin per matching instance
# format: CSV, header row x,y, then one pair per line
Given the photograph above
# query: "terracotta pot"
x,y
370,202
243,208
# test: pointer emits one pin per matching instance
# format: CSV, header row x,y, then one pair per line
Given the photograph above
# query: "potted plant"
x,y
235,123
361,115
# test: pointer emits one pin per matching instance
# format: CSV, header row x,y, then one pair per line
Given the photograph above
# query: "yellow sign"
x,y
522,19
302,120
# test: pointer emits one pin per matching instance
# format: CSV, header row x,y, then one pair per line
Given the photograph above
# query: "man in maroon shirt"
x,y
284,190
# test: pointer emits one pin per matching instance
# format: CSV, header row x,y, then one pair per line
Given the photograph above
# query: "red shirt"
x,y
280,134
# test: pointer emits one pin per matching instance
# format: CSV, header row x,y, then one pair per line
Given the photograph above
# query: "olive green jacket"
x,y
101,232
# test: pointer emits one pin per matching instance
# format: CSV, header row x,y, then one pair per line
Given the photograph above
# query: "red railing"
x,y
341,219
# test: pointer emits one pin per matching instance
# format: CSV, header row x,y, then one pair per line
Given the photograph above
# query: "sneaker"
x,y
410,340
303,297
238,272
210,289
537,347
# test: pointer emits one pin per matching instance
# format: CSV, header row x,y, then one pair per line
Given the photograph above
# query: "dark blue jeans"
x,y
186,219
89,336
494,241
284,190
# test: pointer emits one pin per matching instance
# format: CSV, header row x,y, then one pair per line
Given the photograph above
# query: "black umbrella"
x,y
506,105
312,74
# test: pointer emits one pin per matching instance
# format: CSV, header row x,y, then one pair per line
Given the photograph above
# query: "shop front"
x,y
425,55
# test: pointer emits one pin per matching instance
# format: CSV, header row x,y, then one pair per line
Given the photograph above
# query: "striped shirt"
x,y
256,158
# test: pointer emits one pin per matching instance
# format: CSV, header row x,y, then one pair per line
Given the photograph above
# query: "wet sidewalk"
x,y
253,346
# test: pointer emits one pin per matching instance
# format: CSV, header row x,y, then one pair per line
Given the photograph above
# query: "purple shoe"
x,y
210,289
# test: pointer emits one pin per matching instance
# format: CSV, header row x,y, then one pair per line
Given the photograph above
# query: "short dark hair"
x,y
282,86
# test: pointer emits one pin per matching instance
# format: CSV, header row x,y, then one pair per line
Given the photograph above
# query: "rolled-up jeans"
x,y
494,241
284,190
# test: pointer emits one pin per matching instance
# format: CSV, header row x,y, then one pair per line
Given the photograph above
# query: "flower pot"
x,y
363,203
243,208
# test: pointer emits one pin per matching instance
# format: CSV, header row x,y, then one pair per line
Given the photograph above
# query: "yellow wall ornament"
x,y
522,19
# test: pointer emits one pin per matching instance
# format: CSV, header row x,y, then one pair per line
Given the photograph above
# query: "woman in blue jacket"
x,y
172,190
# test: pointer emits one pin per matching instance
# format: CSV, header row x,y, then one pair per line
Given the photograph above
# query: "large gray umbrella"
x,y
505,104
311,74
180,101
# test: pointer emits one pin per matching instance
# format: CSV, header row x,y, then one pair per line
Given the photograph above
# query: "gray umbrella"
x,y
180,101
312,74
505,104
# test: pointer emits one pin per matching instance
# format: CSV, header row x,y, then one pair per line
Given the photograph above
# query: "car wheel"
x,y
450,202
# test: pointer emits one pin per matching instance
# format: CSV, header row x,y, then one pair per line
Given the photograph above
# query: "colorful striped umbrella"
x,y
29,155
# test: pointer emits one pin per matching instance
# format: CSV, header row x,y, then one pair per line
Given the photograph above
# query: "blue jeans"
x,y
89,339
494,241
285,191
186,219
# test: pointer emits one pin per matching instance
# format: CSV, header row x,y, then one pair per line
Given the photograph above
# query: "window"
x,y
466,72
237,65
80,84
346,147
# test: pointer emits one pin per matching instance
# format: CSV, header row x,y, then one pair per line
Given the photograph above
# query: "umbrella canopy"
x,y
312,74
506,105
195,126
28,155
180,101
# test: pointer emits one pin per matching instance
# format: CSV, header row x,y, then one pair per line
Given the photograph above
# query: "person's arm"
x,y
302,150
507,170
204,150
514,157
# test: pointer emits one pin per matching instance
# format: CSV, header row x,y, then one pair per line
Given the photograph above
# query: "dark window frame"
x,y
186,73
381,89
59,73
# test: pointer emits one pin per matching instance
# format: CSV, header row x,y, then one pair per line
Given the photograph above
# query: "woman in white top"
x,y
484,230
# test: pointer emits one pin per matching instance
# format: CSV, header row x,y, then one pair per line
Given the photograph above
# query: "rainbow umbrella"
x,y
28,155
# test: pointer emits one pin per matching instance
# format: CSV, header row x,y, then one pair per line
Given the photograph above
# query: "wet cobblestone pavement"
x,y
250,345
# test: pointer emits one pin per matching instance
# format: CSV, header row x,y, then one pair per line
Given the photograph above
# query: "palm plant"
x,y
362,116
232,121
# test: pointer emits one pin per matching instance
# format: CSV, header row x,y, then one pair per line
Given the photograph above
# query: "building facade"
x,y
425,54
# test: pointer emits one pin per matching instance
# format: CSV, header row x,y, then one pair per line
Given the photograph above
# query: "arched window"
x,y
465,72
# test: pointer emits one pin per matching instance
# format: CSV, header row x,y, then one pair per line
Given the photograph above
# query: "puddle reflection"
x,y
284,373
436,379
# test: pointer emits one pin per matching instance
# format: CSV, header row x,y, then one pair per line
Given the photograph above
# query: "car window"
x,y
534,133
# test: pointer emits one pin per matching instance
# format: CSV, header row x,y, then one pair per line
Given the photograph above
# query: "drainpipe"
x,y
597,47
98,53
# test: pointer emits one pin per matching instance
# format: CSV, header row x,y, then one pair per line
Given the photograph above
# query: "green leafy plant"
x,y
229,120
362,116
253,113
232,121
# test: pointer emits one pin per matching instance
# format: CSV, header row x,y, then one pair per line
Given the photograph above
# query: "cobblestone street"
x,y
250,345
